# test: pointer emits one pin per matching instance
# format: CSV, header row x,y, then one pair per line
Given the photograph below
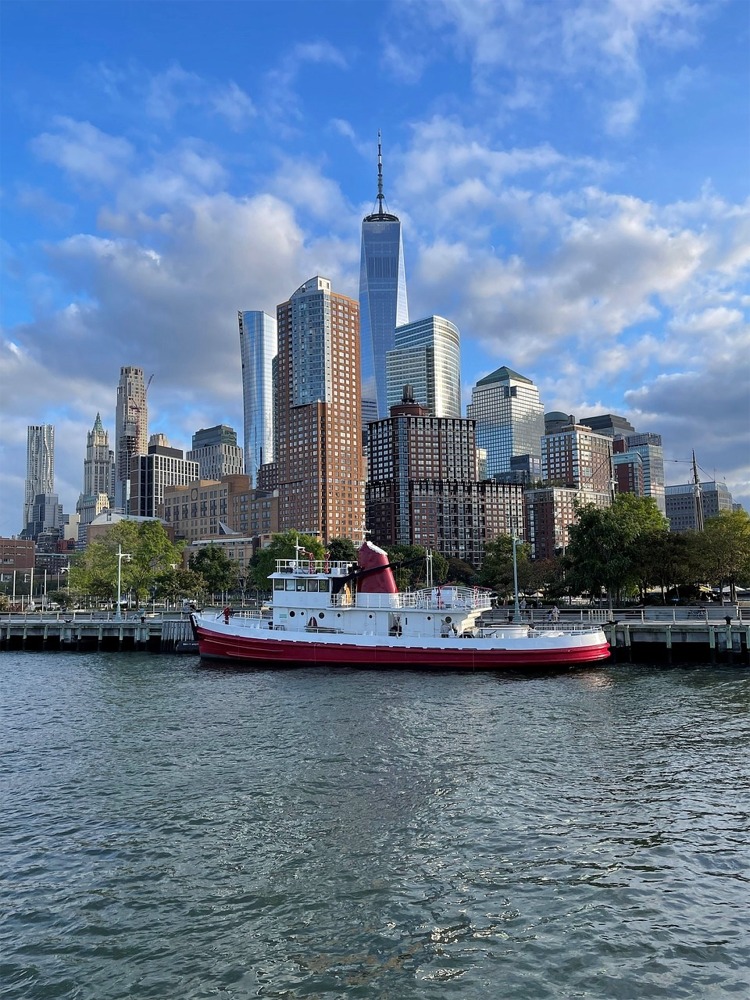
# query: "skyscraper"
x,y
423,487
426,356
216,452
510,419
317,416
40,466
650,448
99,462
150,473
257,350
382,299
98,479
131,430
578,458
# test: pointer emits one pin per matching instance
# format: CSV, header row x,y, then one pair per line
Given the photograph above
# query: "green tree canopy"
x,y
147,552
282,546
342,550
724,550
601,551
174,584
497,565
218,571
460,571
409,563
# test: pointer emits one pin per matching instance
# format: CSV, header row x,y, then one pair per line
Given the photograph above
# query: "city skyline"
x,y
570,180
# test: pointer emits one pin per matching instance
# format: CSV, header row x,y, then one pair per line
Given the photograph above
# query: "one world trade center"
x,y
382,300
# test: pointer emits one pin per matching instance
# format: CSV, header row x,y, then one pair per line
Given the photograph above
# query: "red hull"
x,y
248,649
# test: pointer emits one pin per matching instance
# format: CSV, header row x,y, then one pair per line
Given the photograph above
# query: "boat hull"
x,y
274,647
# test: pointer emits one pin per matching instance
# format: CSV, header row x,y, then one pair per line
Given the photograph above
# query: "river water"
x,y
176,832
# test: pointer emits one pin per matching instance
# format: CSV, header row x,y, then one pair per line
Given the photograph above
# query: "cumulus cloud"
x,y
506,41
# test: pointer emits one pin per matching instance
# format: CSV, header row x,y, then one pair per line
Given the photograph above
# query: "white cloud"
x,y
235,105
84,151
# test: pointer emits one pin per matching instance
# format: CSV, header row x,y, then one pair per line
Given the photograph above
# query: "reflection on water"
x,y
169,831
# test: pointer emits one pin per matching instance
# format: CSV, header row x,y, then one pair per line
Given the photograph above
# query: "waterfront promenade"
x,y
717,633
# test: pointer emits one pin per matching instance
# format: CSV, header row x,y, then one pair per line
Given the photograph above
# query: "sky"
x,y
571,176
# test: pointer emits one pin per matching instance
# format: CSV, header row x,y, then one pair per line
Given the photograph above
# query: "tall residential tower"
x,y
382,300
131,430
317,415
40,466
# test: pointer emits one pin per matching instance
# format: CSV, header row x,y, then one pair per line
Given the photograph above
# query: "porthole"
x,y
292,614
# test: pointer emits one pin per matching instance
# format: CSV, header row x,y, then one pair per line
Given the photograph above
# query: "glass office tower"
x,y
382,300
427,356
510,419
257,351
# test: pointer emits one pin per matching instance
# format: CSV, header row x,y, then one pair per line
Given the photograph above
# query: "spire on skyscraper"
x,y
380,215
382,299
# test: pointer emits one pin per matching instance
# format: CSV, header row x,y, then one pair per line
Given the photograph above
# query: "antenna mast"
x,y
380,176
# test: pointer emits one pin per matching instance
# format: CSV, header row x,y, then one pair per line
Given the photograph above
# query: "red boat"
x,y
335,614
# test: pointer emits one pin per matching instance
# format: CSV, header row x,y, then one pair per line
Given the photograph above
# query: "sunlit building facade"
x,y
649,447
577,458
40,466
317,415
258,339
509,418
382,300
131,430
427,357
423,487
217,453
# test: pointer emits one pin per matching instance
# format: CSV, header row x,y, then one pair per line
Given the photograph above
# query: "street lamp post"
x,y
516,607
120,556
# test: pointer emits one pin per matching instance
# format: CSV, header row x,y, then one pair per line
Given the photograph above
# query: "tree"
x,y
663,559
601,551
462,572
149,553
547,575
283,546
724,550
342,550
174,584
497,565
218,571
409,566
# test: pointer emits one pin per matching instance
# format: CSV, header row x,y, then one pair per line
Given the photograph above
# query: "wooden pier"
x,y
89,634
715,635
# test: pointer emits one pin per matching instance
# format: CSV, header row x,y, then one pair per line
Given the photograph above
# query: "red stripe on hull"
x,y
214,645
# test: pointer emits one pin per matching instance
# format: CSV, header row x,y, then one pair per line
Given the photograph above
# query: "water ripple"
x,y
168,831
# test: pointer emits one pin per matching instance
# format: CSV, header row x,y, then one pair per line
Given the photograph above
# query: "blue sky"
x,y
572,179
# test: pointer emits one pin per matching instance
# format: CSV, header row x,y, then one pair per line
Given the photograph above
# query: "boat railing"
x,y
306,567
248,615
427,599
450,598
540,628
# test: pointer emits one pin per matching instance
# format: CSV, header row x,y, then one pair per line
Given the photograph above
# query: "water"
x,y
175,832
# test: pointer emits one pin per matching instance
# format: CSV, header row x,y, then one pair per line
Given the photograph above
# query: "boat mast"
x,y
698,497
